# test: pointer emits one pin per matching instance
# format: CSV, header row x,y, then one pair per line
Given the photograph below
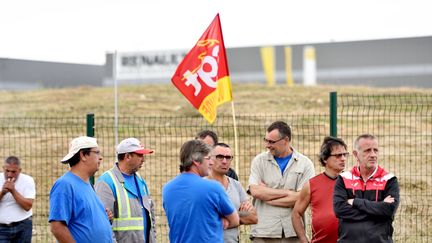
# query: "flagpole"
x,y
115,97
236,150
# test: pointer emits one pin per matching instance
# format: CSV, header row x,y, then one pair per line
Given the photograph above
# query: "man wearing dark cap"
x,y
76,213
124,192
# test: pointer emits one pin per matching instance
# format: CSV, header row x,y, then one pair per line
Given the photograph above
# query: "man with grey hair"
x,y
197,209
366,198
16,201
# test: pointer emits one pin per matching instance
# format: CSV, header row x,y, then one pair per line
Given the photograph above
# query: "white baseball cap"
x,y
79,143
132,145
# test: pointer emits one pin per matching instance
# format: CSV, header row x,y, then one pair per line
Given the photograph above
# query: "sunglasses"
x,y
340,155
265,140
220,157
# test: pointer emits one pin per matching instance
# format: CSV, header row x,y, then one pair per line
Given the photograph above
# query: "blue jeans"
x,y
20,232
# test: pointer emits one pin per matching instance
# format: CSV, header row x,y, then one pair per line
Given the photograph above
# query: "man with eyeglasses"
x,y
317,193
197,209
222,157
209,137
366,198
276,178
76,213
124,192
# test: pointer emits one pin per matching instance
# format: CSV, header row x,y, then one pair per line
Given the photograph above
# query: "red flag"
x,y
203,77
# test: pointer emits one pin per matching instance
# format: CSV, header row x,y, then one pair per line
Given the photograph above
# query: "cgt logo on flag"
x,y
203,77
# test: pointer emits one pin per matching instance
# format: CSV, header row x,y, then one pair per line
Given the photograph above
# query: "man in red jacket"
x,y
366,198
318,193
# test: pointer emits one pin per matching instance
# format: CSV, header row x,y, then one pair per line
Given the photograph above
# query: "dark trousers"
x,y
18,232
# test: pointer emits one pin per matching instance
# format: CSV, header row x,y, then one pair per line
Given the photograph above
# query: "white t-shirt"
x,y
10,211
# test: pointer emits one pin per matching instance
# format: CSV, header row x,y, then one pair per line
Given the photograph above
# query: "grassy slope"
x,y
165,99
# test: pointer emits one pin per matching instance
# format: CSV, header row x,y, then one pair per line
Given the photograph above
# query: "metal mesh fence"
x,y
402,123
42,142
167,134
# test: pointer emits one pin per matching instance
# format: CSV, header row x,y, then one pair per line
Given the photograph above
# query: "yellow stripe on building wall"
x,y
288,66
268,61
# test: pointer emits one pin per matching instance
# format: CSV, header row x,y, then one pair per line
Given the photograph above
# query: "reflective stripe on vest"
x,y
124,221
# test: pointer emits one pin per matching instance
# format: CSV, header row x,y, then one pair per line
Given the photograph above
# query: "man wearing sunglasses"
x,y
124,192
209,137
366,198
276,178
222,157
317,192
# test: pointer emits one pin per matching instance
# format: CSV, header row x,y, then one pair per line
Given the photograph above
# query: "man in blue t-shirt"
x,y
76,213
197,209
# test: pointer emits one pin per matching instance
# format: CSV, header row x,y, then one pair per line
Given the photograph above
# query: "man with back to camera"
x,y
197,209
16,201
211,138
124,192
76,213
316,191
366,198
276,178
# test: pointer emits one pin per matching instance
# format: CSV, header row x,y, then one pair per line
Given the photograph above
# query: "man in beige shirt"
x,y
276,178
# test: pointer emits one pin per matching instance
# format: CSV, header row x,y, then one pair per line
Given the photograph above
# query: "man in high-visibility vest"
x,y
124,192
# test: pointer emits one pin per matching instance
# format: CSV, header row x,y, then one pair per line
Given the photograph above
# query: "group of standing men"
x,y
206,202
353,206
118,209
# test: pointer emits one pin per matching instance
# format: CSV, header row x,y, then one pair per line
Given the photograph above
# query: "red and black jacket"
x,y
369,219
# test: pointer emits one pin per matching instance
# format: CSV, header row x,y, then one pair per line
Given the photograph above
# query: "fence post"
x,y
90,133
333,114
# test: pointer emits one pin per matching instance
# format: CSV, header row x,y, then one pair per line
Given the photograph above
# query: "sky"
x,y
83,31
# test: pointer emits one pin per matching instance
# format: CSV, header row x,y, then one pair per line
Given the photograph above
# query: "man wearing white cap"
x,y
76,213
124,192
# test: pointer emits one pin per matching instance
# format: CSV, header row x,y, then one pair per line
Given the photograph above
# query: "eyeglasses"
x,y
340,155
207,157
272,141
220,157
